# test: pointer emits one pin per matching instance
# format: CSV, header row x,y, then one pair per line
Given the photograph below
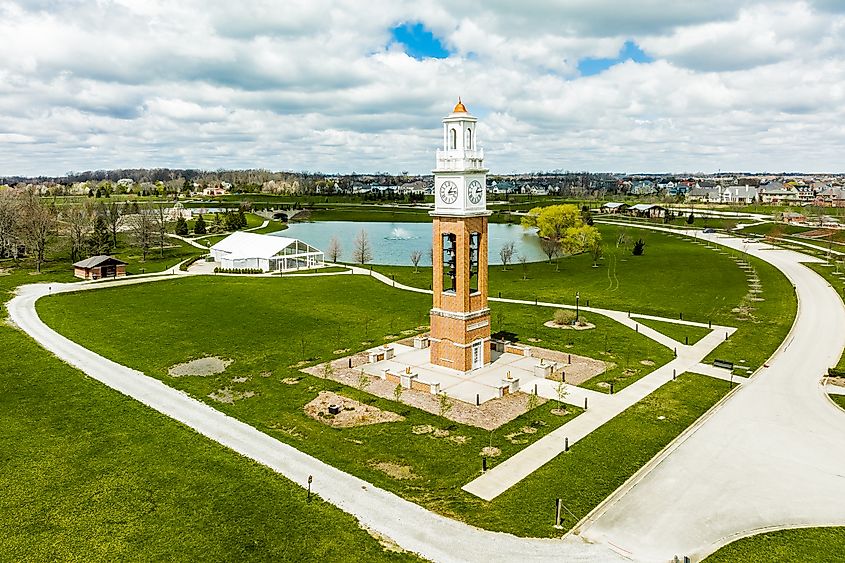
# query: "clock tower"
x,y
460,318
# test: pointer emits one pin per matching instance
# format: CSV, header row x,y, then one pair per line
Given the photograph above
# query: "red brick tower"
x,y
460,318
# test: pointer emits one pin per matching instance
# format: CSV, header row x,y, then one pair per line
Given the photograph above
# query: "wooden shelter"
x,y
98,267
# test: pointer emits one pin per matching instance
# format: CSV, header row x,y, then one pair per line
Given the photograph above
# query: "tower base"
x,y
460,341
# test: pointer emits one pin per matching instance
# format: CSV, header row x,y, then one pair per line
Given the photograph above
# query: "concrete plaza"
x,y
480,385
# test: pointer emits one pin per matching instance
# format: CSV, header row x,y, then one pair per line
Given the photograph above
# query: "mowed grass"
x,y
628,356
157,259
674,276
839,400
87,474
770,320
269,327
785,546
679,332
600,463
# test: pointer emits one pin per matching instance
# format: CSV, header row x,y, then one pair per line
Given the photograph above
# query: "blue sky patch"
x,y
419,42
629,51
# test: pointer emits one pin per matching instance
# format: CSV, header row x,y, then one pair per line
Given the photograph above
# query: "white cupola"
x,y
460,179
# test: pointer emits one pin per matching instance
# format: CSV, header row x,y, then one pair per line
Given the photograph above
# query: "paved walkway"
x,y
414,528
771,457
601,408
832,389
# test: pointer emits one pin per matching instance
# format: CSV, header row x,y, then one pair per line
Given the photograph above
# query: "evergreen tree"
x,y
199,226
101,237
639,247
231,221
690,219
242,219
181,226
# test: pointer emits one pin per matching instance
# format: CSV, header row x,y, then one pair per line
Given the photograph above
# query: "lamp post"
x,y
577,299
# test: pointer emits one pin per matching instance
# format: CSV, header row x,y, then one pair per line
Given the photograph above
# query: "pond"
x,y
392,243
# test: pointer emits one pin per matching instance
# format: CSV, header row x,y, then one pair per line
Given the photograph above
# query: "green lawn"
x,y
839,400
799,545
157,260
324,270
367,213
87,474
628,355
58,266
272,227
597,465
272,332
768,228
679,332
675,275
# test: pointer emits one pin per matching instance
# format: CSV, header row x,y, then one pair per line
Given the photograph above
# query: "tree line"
x,y
31,225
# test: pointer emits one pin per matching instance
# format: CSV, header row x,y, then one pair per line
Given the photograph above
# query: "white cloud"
x,y
316,85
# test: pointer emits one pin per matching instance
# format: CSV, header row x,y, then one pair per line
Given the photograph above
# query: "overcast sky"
x,y
598,85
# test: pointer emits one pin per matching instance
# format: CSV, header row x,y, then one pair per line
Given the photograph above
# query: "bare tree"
x,y
362,253
112,213
551,247
80,224
506,254
523,260
416,256
36,223
142,226
8,219
334,250
160,226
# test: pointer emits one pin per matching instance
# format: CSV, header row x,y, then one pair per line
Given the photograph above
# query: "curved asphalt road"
x,y
771,456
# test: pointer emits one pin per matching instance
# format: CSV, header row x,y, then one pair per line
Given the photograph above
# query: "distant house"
x,y
215,191
614,207
777,193
739,194
643,187
268,253
98,267
647,210
705,195
831,197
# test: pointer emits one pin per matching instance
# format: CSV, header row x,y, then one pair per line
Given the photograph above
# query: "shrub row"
x,y
186,264
836,372
238,271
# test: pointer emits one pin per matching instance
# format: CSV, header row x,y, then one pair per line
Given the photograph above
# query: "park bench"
x,y
724,364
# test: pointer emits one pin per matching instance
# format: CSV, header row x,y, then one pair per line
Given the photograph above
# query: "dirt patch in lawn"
x,y
210,365
583,326
352,413
229,396
396,471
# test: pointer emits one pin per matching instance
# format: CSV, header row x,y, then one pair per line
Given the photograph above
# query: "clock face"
x,y
449,192
476,191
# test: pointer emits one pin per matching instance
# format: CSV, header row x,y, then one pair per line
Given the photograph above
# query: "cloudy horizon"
x,y
341,86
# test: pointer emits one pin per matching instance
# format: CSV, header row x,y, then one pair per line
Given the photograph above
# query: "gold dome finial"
x,y
460,107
